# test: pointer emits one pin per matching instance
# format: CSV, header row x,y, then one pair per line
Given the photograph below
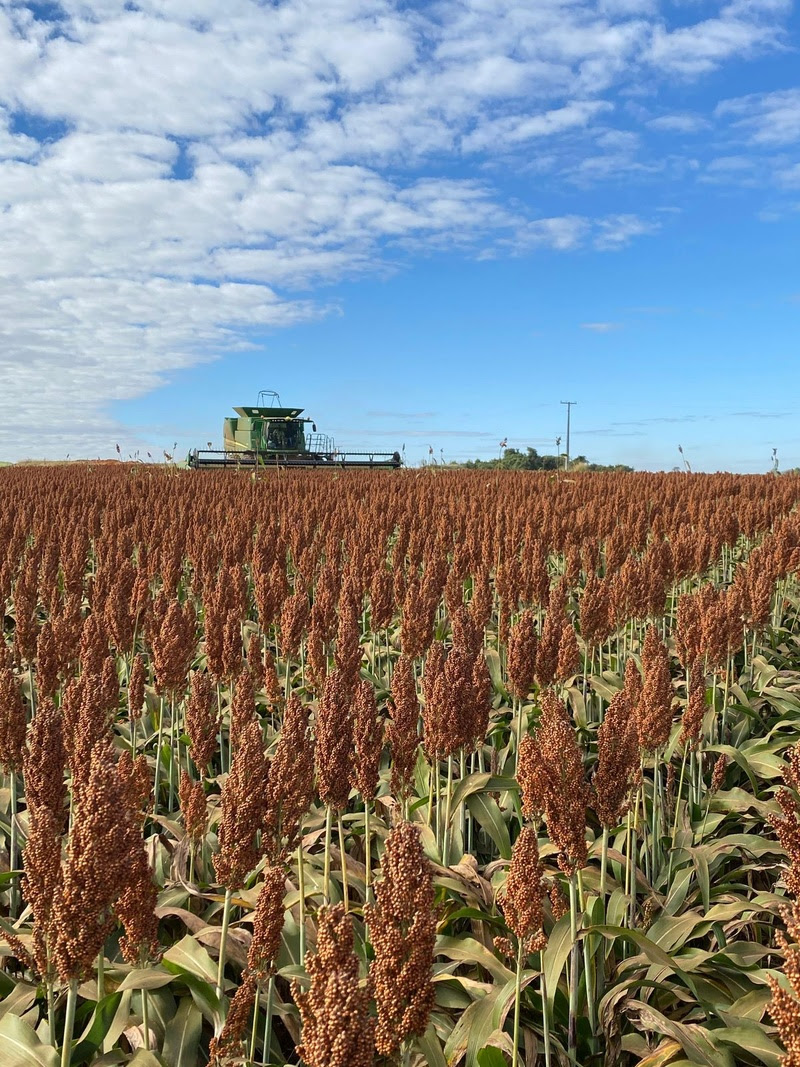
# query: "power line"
x,y
569,404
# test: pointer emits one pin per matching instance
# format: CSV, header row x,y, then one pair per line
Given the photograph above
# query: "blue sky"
x,y
427,223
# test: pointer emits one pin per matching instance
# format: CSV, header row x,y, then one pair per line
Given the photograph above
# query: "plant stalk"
x,y
343,858
223,941
517,998
268,1020
69,1023
572,1025
447,813
326,878
367,854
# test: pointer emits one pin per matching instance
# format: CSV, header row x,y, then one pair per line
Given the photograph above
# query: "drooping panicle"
x,y
402,926
337,1030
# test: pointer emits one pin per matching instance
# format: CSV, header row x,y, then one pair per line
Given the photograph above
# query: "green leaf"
x,y
491,1057
481,782
751,1039
21,998
99,1024
655,954
120,1021
163,1006
146,978
485,810
183,1036
198,971
671,932
700,860
473,1028
608,686
204,995
495,670
192,958
22,1047
555,956
694,1040
429,1046
143,1058
468,950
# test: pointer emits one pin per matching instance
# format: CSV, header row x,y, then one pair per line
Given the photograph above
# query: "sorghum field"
x,y
428,767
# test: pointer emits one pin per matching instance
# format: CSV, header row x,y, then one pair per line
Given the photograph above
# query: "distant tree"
x,y
530,460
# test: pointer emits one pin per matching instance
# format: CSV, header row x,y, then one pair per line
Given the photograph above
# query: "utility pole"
x,y
569,404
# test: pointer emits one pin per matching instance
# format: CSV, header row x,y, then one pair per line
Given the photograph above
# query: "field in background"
x,y
420,767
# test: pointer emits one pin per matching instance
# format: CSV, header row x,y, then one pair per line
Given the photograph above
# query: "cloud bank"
x,y
176,179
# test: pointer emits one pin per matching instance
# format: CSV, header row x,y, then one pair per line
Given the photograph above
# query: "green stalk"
x,y
603,865
254,1028
462,811
572,1026
367,854
470,822
51,1014
588,967
174,742
326,878
517,998
628,866
101,973
301,888
343,858
545,1017
448,805
157,777
437,792
725,700
642,799
146,1019
654,819
430,796
223,941
12,844
677,810
268,1020
69,1023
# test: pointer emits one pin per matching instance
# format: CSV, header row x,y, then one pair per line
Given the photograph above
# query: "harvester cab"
x,y
270,435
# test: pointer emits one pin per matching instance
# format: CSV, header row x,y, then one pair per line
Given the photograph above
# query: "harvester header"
x,y
268,435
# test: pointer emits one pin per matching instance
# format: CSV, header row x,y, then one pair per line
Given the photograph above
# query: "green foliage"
x,y
530,460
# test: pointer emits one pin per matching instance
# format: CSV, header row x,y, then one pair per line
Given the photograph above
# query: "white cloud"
x,y
513,130
601,327
679,123
617,231
740,29
790,176
173,174
767,119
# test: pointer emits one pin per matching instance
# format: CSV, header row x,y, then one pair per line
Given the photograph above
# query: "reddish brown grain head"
x,y
524,893
402,926
337,1030
244,798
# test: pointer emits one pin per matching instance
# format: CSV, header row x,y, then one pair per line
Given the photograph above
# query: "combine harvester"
x,y
271,436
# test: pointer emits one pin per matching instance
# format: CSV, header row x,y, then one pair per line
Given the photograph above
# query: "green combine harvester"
x,y
269,435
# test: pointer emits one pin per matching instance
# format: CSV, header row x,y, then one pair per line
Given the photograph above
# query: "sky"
x,y
428,223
